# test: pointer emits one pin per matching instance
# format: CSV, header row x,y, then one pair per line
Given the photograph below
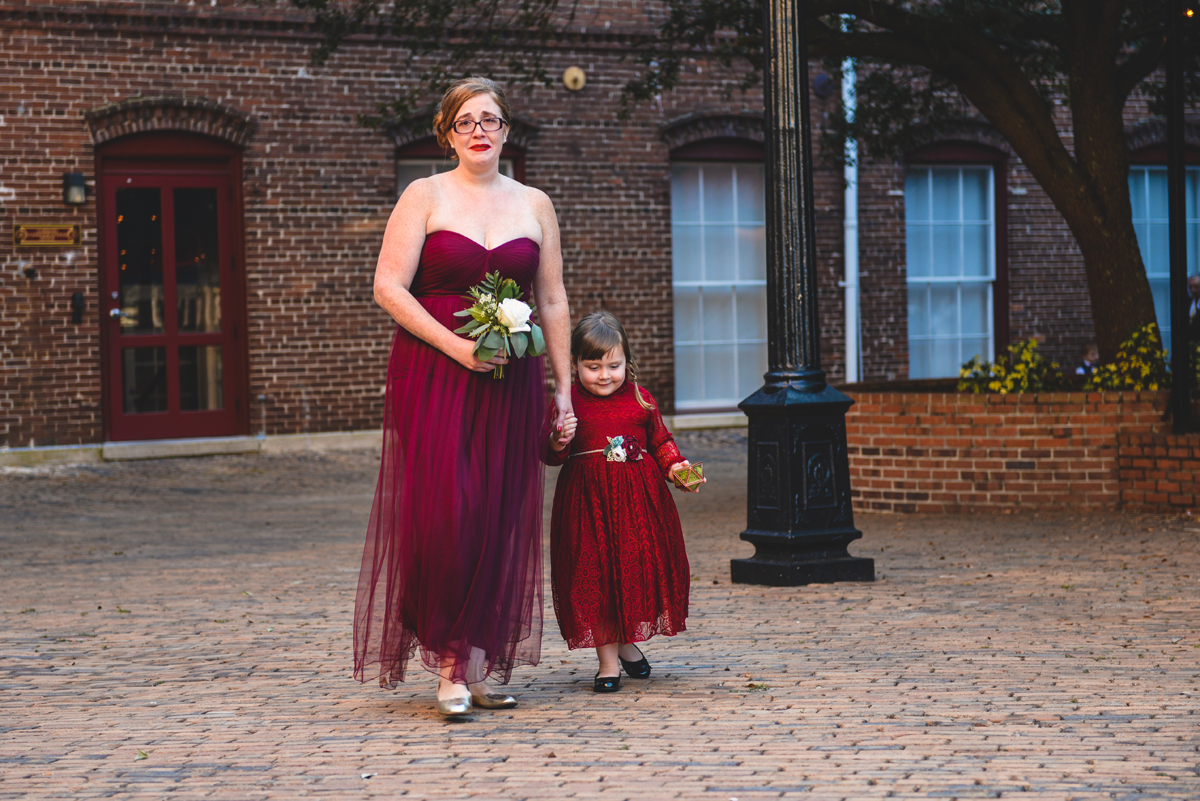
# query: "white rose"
x,y
617,454
514,314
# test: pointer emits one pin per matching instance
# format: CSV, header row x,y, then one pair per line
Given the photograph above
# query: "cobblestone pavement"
x,y
180,629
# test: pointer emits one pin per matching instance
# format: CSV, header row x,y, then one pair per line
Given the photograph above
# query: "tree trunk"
x,y
1117,283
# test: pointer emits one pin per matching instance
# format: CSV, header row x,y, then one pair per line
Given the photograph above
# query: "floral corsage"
x,y
622,449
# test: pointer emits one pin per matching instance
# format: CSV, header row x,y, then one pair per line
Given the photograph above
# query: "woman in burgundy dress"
x,y
452,563
619,570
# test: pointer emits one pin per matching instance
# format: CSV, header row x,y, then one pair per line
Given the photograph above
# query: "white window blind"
x,y
1148,193
718,242
951,254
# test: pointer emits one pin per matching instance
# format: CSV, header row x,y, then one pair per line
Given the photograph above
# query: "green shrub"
x,y
1023,370
1141,363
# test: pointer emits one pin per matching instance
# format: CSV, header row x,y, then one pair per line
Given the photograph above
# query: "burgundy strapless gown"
x,y
452,561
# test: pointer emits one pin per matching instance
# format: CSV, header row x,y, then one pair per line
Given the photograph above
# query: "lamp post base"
x,y
799,573
798,493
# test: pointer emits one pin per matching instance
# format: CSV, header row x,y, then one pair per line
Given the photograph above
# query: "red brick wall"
x,y
318,190
1159,472
946,452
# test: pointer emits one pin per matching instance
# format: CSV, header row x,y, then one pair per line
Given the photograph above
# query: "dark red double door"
x,y
172,297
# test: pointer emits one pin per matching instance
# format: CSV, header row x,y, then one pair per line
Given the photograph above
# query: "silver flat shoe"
x,y
493,701
454,707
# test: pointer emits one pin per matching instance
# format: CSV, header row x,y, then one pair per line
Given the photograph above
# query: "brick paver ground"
x,y
197,612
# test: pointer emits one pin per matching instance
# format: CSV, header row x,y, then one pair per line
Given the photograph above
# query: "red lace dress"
x,y
618,566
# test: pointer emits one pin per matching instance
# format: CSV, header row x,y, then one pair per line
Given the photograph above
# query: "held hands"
x,y
561,437
675,468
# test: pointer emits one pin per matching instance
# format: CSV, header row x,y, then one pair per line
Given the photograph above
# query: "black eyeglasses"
x,y
488,124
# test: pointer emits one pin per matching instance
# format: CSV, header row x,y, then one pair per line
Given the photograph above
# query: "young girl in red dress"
x,y
618,566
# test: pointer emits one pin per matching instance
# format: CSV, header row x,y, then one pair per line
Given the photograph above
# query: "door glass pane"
x,y
200,380
197,267
144,379
139,260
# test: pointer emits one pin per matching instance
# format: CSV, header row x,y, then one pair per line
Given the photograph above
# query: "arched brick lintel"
x,y
705,125
170,113
1153,134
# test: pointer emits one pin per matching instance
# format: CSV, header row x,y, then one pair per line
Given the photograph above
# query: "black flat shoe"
x,y
636,670
608,684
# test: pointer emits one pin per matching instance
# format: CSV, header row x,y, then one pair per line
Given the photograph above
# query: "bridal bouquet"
x,y
500,322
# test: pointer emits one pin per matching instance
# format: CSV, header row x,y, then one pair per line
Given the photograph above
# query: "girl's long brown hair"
x,y
597,334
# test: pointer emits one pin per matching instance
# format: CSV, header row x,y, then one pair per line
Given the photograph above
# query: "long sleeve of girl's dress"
x,y
660,441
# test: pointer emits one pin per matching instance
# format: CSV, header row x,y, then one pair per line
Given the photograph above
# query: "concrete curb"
x,y
176,448
282,443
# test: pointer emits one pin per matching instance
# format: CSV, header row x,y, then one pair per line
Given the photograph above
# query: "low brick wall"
x,y
1159,471
949,452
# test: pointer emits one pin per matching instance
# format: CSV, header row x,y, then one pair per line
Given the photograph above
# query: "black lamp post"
x,y
1182,22
799,516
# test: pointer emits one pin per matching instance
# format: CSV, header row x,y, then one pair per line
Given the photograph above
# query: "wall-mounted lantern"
x,y
74,189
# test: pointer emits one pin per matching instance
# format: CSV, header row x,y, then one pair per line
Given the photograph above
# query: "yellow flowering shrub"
x,y
1022,370
1141,364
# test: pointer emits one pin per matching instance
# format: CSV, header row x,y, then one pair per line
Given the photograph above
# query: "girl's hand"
x,y
675,468
464,353
560,439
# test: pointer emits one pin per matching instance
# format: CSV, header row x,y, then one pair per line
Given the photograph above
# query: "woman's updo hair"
x,y
597,334
460,92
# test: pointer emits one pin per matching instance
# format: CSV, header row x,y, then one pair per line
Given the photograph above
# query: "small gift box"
x,y
689,478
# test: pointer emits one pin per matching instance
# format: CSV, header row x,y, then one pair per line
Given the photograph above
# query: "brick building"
x,y
202,131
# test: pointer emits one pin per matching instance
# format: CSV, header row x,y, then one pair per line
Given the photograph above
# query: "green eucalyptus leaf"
x,y
494,339
537,342
520,342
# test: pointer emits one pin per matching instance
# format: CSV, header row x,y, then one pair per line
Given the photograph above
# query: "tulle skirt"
x,y
452,562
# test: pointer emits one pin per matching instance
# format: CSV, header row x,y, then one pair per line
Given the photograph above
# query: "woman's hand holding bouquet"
x,y
500,322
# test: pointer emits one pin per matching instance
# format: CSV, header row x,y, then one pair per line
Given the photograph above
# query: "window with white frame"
x,y
1148,193
950,233
409,170
719,281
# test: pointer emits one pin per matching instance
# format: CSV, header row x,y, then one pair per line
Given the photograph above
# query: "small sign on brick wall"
x,y
46,235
